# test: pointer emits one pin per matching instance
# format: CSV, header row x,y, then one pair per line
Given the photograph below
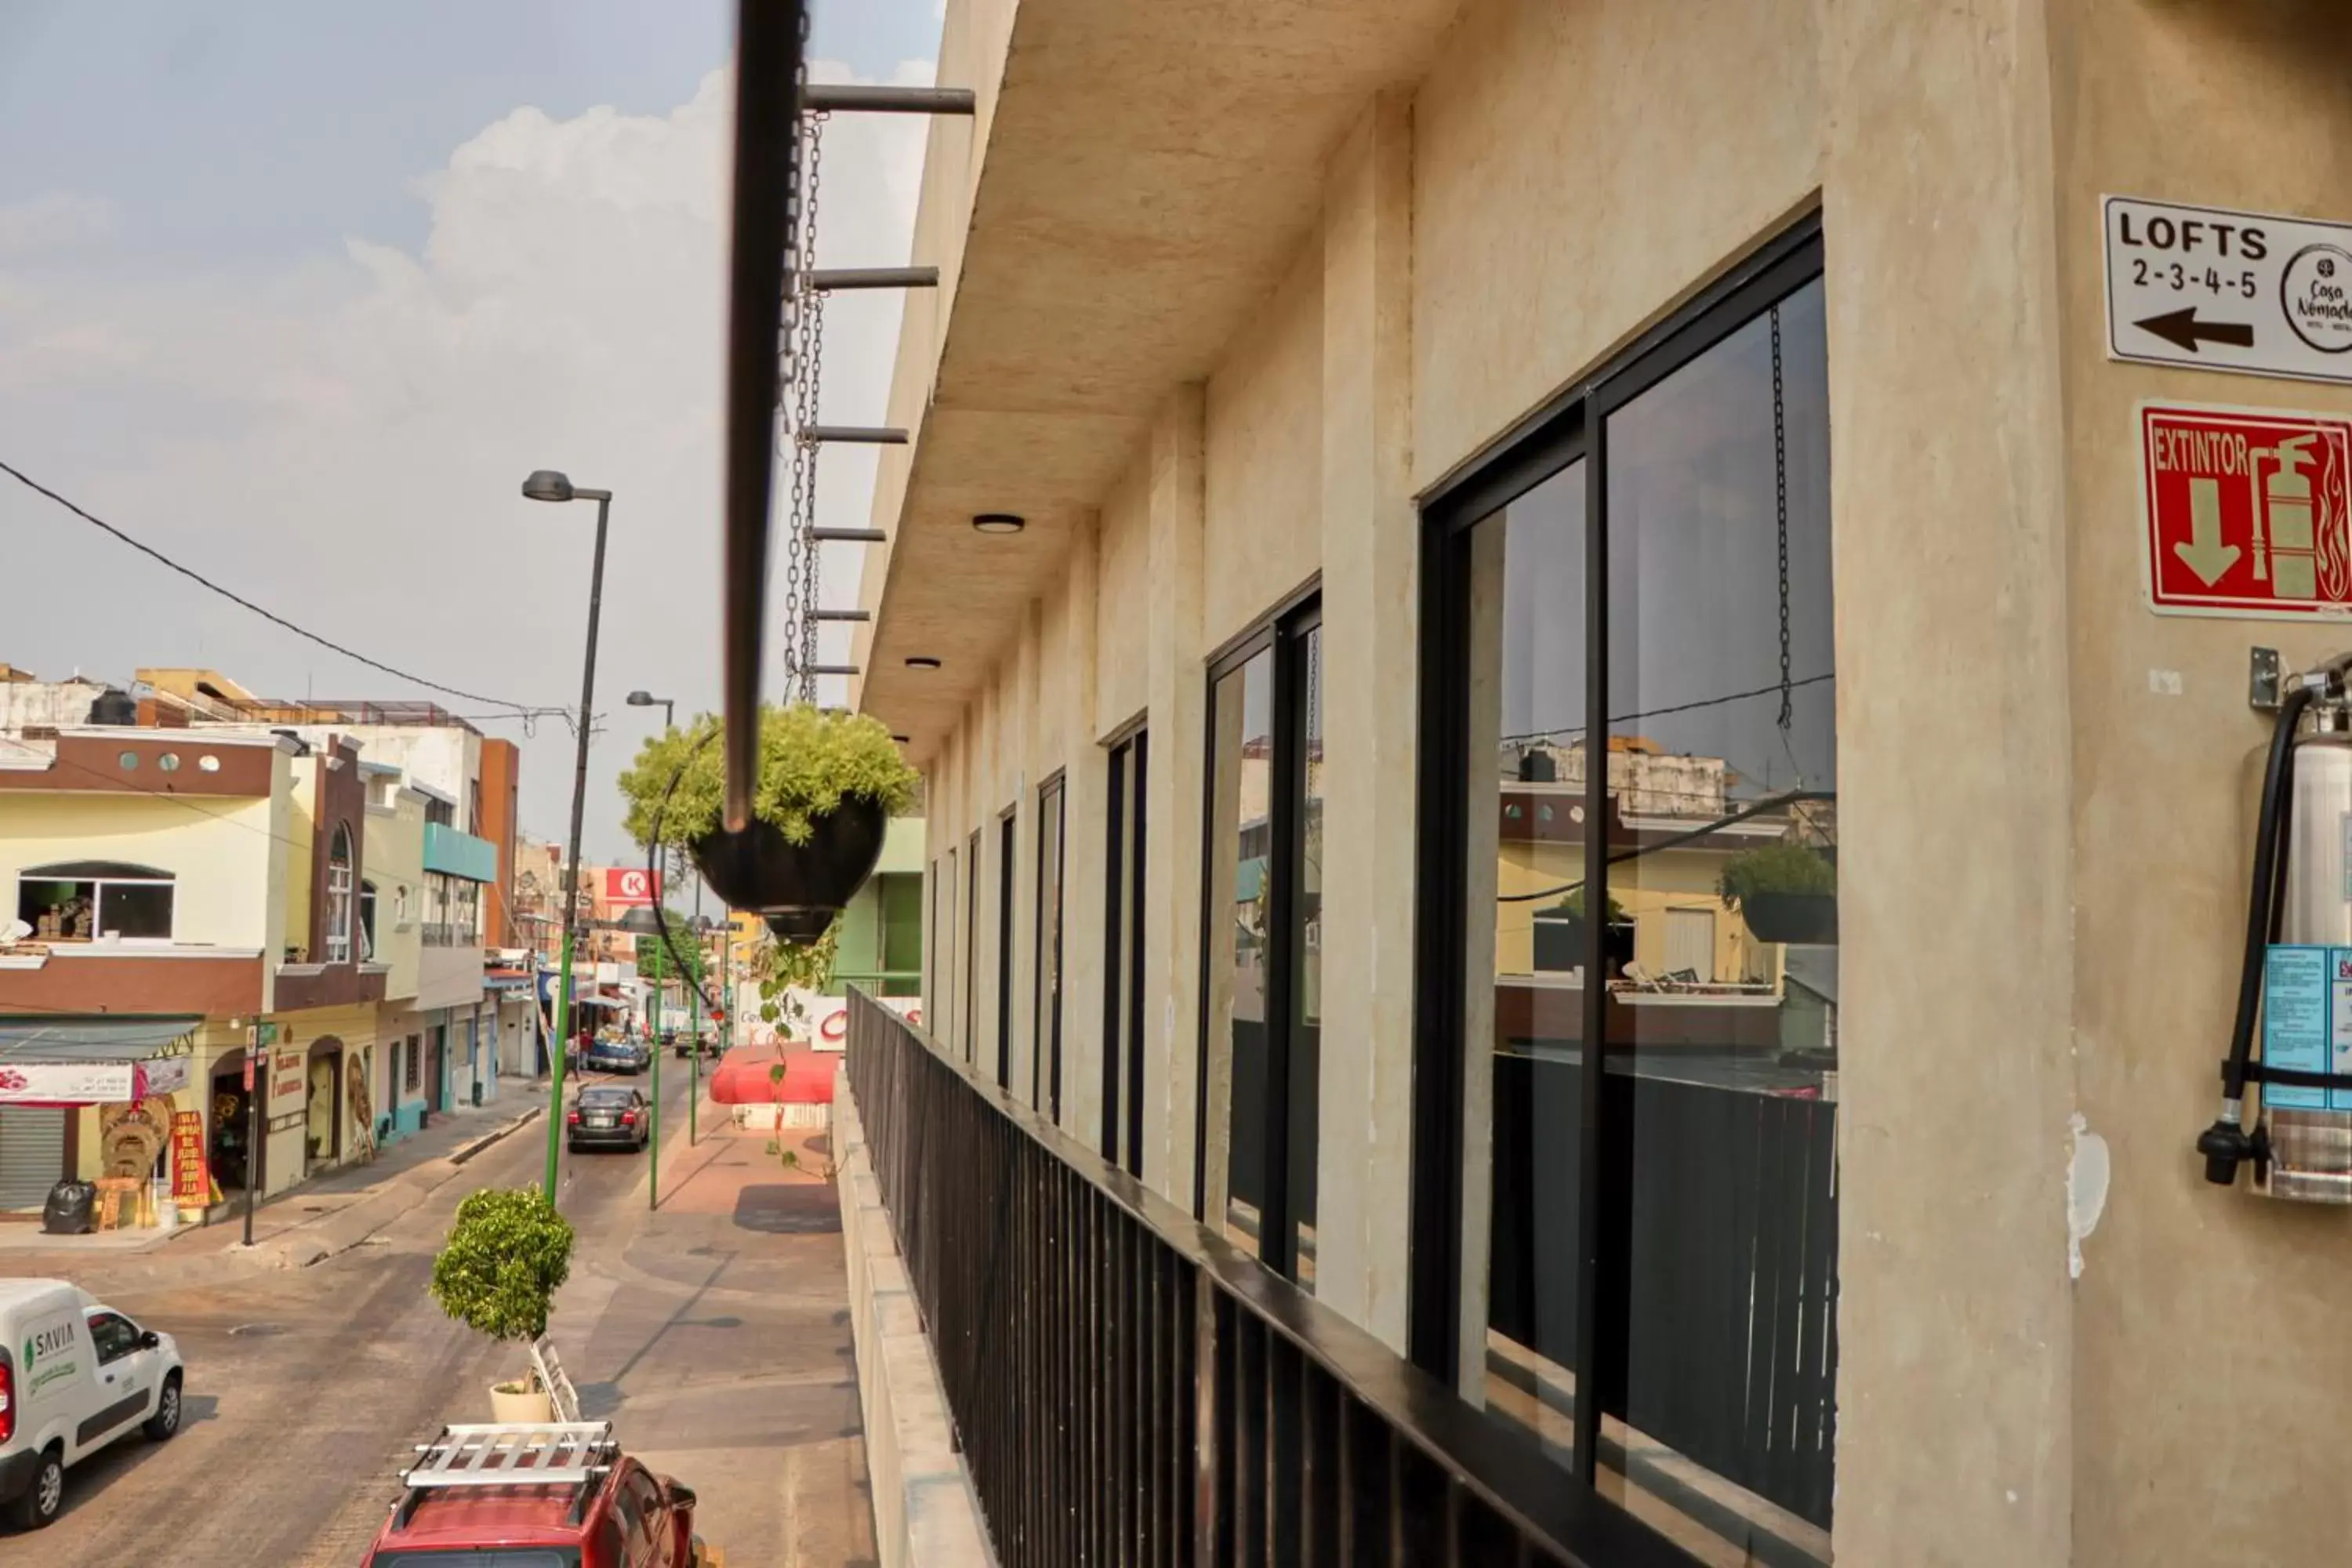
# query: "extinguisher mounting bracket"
x,y
2263,673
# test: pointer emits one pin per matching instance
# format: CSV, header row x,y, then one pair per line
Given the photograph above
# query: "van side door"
x,y
126,1382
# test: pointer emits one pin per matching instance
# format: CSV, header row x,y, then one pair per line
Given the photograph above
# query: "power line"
x,y
1678,708
201,579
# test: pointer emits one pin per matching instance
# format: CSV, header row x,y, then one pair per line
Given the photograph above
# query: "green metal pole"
x,y
555,1059
652,1181
693,1045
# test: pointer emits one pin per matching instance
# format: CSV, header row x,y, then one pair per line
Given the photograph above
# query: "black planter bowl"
x,y
797,889
1808,920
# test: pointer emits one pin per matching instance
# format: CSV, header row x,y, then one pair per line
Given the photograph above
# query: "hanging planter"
x,y
829,783
1785,892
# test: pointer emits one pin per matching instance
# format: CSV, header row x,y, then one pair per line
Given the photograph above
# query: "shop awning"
x,y
91,1059
92,1038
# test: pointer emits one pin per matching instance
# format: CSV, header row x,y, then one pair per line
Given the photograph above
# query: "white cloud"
x,y
343,439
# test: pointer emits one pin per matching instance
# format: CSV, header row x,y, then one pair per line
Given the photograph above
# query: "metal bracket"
x,y
2263,676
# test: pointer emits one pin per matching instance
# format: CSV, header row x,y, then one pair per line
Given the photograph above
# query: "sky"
x,y
297,294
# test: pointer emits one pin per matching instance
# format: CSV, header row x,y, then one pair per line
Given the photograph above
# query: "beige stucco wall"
x,y
1263,453
2248,107
1560,178
1577,170
219,851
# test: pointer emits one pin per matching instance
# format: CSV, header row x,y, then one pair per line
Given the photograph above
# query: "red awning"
x,y
748,1077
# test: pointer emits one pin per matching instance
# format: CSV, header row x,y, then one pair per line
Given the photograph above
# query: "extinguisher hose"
x,y
2264,897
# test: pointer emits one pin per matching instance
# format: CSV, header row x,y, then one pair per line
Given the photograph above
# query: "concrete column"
x,y
1371,534
1956,1077
1171,870
1085,794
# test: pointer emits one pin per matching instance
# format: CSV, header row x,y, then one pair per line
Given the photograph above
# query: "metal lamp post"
x,y
667,960
546,484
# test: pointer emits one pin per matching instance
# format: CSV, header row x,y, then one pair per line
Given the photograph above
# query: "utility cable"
x,y
1777,687
202,581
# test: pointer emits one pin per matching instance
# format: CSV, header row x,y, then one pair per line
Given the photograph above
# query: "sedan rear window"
x,y
601,1098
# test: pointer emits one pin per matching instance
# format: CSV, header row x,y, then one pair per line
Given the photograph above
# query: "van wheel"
x,y
166,1419
46,1498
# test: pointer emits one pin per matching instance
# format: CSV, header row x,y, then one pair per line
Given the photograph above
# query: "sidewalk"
x,y
314,1219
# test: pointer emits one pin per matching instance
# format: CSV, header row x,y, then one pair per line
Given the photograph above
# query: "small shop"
x,y
101,1100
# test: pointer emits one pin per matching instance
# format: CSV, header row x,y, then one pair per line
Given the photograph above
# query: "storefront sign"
x,y
2245,512
630,885
289,1080
163,1075
2229,291
191,1177
66,1083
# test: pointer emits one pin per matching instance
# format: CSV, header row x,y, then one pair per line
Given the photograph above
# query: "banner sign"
x,y
630,885
191,1177
66,1083
163,1075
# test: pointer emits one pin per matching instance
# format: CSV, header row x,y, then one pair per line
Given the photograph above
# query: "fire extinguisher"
x,y
2294,982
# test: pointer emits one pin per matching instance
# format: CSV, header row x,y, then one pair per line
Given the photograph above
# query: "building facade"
x,y
1404,405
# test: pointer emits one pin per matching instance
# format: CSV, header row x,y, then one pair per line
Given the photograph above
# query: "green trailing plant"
x,y
507,1254
1782,868
810,762
1572,907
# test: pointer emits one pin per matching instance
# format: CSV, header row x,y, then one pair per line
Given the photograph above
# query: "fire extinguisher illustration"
x,y
2283,501
2298,906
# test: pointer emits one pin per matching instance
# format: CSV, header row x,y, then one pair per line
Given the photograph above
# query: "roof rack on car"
x,y
576,1454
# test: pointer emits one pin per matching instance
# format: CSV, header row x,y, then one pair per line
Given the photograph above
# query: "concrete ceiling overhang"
x,y
1151,167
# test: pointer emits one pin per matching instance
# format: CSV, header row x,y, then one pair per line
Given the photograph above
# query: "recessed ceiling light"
x,y
922,662
1000,522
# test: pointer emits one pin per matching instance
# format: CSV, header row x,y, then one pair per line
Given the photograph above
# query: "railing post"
x,y
1204,1420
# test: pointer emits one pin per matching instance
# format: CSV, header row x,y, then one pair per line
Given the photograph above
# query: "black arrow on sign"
x,y
2182,329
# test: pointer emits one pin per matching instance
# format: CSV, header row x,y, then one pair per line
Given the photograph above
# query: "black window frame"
x,y
1569,430
1007,831
1045,1015
1127,844
1285,631
972,948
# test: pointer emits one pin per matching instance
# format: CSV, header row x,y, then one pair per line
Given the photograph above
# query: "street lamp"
x,y
647,700
546,484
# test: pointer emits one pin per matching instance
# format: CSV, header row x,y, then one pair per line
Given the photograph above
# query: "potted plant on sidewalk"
x,y
828,783
508,1254
1785,891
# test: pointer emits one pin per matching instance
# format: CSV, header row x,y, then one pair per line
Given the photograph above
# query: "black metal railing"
x,y
1129,1389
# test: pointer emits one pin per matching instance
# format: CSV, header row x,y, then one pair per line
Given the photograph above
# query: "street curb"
x,y
340,1232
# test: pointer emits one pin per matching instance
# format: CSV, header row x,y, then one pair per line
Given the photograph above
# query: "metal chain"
x,y
790,377
813,352
1780,505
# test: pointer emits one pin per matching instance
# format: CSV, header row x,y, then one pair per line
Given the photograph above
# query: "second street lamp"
x,y
547,484
647,700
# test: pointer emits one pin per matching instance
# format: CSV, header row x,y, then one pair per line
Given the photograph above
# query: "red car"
x,y
534,1506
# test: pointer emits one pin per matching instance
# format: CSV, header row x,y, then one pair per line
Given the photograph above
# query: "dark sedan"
x,y
608,1117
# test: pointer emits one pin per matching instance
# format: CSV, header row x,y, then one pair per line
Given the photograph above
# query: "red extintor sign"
x,y
2246,512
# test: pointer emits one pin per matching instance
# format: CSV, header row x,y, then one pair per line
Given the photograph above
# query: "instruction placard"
x,y
2249,293
2307,1023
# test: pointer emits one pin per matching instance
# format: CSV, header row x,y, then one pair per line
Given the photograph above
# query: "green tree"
x,y
507,1255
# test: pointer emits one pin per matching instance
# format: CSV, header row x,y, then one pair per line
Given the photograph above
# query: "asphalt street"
x,y
713,1333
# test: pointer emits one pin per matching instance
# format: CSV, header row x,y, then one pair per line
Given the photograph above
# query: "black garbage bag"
x,y
68,1211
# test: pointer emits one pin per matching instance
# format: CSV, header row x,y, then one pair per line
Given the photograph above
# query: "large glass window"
x,y
1263,909
1004,827
338,897
88,900
970,944
1658,1217
1047,1059
1123,909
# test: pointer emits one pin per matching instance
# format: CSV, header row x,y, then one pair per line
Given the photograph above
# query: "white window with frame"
x,y
339,898
88,901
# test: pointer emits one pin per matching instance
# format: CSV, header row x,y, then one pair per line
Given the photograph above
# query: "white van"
x,y
74,1376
